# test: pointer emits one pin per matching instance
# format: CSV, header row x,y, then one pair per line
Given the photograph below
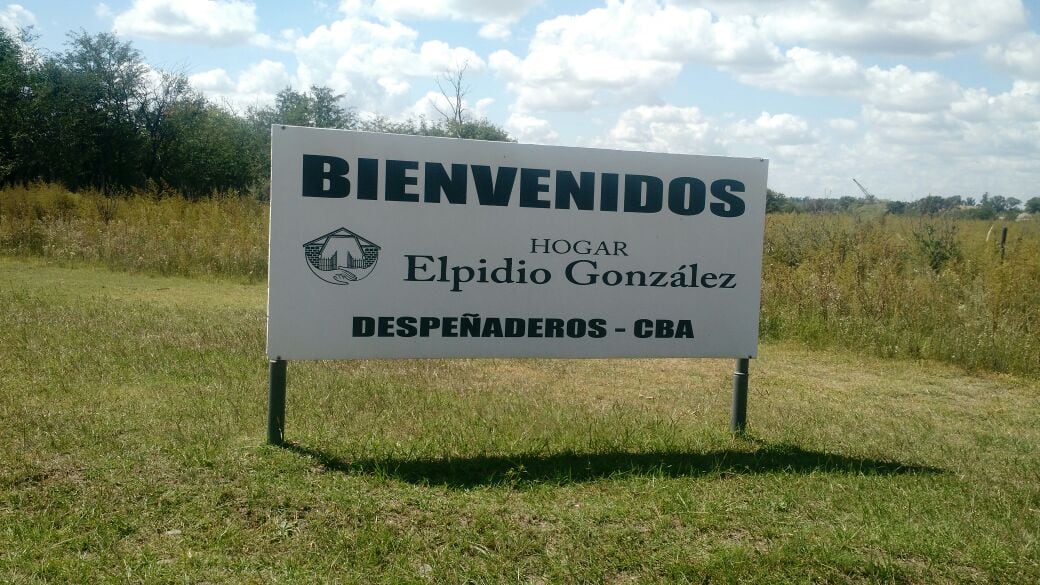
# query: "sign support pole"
x,y
738,415
276,402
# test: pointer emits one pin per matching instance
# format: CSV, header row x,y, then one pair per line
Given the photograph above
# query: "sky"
x,y
910,97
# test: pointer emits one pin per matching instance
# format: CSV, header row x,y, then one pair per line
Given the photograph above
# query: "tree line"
x,y
96,116
985,207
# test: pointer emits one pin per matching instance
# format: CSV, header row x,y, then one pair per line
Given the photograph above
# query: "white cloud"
x,y
843,124
103,11
774,129
257,85
921,27
664,129
376,64
932,129
805,71
628,51
476,10
495,31
979,142
440,56
394,87
1007,124
899,88
495,17
624,52
16,16
264,77
214,80
426,107
1020,56
480,109
213,22
531,130
560,80
808,72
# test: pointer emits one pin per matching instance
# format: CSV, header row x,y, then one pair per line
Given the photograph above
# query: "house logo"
x,y
341,256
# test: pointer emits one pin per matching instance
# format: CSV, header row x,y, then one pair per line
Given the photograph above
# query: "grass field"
x,y
132,421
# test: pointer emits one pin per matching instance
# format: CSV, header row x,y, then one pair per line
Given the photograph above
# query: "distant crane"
x,y
866,193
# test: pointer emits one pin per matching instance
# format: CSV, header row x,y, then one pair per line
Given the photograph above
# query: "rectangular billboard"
x,y
392,246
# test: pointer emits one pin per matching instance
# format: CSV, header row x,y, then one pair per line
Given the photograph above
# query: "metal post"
x,y
738,416
276,402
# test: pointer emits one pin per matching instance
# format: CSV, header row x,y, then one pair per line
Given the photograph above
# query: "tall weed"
x,y
887,285
904,288
223,235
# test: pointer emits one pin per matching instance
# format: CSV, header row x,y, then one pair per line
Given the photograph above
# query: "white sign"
x,y
402,246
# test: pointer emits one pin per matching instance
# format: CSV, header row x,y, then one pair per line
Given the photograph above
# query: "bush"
x,y
938,243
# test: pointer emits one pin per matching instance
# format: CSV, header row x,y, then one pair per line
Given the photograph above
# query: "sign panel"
x,y
388,246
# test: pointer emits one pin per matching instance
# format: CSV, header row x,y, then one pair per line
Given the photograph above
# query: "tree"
x,y
170,97
87,102
481,129
319,108
455,121
1033,205
97,116
326,112
14,103
930,205
897,207
777,202
999,203
453,110
292,108
214,150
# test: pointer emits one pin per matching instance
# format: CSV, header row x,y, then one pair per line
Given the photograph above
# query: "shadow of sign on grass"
x,y
571,467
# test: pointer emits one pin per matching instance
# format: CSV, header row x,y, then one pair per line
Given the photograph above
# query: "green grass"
x,y
132,419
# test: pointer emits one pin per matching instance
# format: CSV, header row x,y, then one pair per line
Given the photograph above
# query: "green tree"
x,y
15,96
897,207
85,114
97,116
478,129
777,202
1033,205
293,108
325,111
215,150
999,203
320,108
167,109
930,205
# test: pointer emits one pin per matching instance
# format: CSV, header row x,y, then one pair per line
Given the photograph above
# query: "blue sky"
x,y
911,97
